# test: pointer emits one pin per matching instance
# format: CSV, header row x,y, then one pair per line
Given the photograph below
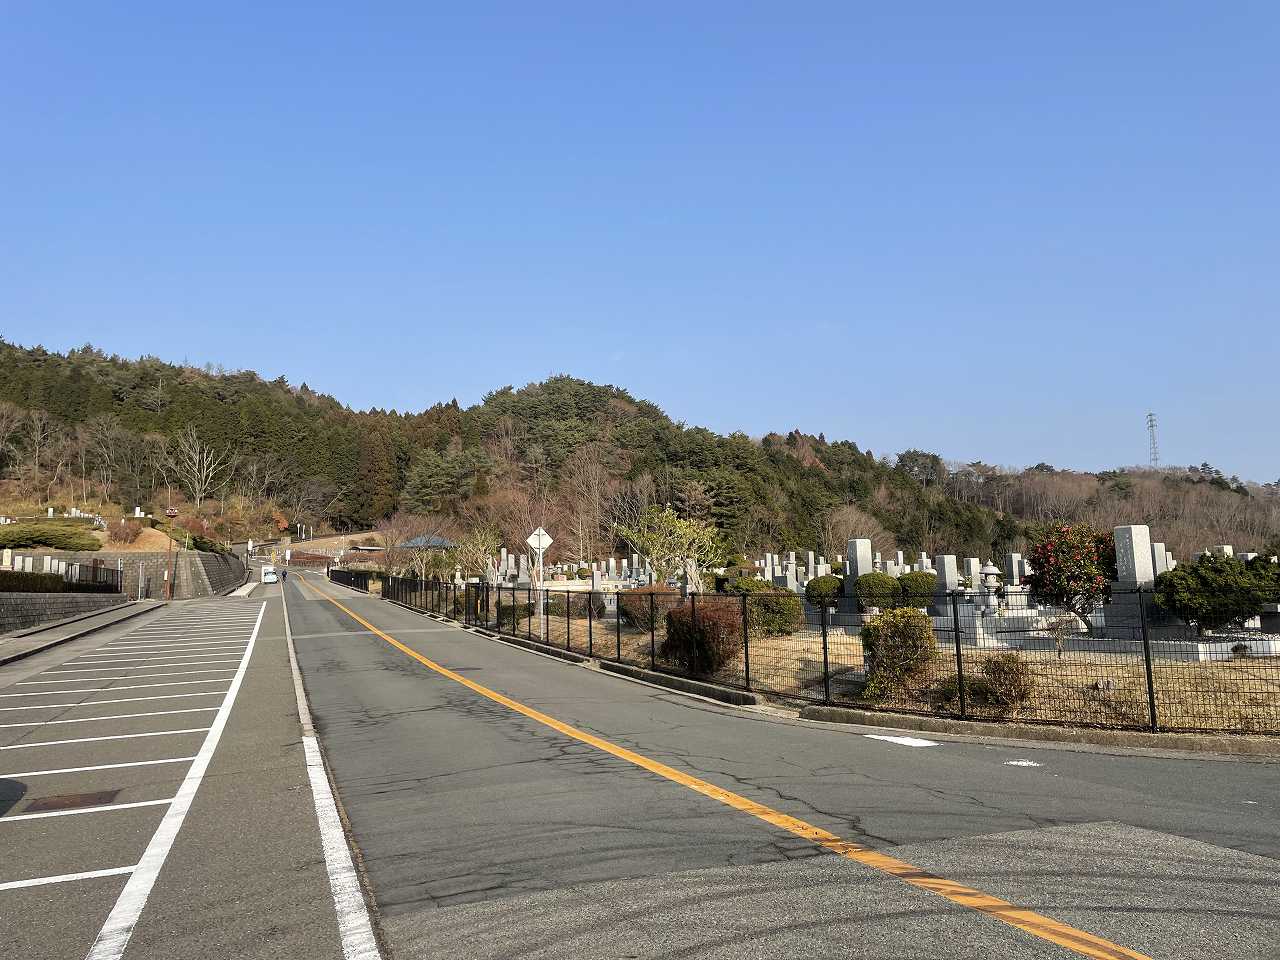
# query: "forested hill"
x,y
563,452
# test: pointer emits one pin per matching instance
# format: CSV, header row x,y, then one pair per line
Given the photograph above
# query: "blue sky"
x,y
988,230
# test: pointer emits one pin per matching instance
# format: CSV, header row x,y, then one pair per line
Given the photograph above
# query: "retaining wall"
x,y
21,610
196,574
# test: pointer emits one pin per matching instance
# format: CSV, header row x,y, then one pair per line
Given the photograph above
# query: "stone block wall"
x,y
196,574
21,610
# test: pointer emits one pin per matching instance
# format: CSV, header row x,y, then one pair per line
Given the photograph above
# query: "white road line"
x,y
64,878
141,660
173,647
190,663
136,676
115,933
71,813
118,736
354,926
99,766
96,703
131,686
114,716
1021,763
903,741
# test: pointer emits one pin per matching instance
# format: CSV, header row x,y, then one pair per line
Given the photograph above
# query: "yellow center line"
x,y
1046,928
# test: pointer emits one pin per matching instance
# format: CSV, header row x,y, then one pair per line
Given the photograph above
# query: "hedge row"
x,y
57,536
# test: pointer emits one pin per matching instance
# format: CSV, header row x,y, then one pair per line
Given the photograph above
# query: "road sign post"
x,y
539,540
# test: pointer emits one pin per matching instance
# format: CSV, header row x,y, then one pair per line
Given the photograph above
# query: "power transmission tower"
x,y
1155,447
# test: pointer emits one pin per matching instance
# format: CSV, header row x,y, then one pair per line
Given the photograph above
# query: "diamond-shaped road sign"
x,y
539,540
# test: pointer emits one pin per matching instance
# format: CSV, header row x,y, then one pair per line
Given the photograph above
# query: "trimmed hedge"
x,y
917,588
702,646
771,611
56,536
822,591
15,581
876,589
899,651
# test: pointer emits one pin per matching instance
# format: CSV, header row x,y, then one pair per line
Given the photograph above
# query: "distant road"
x,y
505,804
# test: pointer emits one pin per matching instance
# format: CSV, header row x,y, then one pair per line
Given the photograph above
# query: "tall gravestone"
x,y
1133,556
860,562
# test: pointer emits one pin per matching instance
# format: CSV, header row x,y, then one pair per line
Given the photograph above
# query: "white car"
x,y
269,574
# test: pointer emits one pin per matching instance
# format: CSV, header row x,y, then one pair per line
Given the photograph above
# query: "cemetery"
x,y
991,648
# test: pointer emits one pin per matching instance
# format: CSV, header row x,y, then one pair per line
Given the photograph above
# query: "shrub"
x,y
1212,592
899,649
701,645
58,536
876,589
1009,680
17,581
126,531
771,611
917,588
635,610
822,591
511,616
584,573
1071,565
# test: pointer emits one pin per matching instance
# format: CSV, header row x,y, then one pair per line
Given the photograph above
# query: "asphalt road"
x,y
244,874
487,833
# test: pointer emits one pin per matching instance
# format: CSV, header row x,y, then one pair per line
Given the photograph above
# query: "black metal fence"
x,y
359,579
990,655
93,578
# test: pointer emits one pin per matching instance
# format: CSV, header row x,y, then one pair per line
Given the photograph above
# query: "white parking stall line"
x,y
96,766
903,741
113,716
116,736
173,647
228,656
136,676
131,686
105,808
96,703
202,649
118,928
65,878
113,666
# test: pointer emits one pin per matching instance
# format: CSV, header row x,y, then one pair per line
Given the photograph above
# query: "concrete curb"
x,y
14,657
737,698
532,645
1240,746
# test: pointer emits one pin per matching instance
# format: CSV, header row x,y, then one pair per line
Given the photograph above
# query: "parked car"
x,y
269,574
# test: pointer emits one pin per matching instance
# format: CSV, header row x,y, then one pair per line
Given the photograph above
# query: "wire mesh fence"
x,y
986,654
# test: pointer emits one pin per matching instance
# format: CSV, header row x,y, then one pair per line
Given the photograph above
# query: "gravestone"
x,y
1013,569
1133,556
1159,559
973,570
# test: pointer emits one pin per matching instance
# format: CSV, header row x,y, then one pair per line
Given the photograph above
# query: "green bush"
x,y
899,651
16,581
584,573
771,611
703,644
876,589
917,588
56,536
1212,592
636,611
511,616
822,591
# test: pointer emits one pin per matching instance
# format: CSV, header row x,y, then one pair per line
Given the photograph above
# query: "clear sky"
x,y
995,231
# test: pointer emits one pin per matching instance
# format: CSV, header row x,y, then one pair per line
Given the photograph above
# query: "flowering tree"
x,y
1071,567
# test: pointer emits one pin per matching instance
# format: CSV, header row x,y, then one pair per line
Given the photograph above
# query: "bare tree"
x,y
38,433
586,484
413,543
11,421
200,467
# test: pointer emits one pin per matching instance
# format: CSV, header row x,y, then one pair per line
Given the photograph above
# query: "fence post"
x,y
826,660
1146,656
653,657
617,628
528,623
955,622
746,646
590,625
568,624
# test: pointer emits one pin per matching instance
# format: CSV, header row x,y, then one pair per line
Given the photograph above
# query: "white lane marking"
x,y
130,686
71,813
118,736
98,766
114,666
113,716
903,741
172,641
115,933
354,925
136,648
130,656
1250,802
1021,763
64,878
97,703
140,663
136,676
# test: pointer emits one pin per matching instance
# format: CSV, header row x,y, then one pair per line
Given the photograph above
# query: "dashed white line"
x,y
115,933
902,741
64,877
118,736
105,808
1021,763
98,766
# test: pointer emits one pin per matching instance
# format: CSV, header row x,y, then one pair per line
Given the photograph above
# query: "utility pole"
x,y
1154,449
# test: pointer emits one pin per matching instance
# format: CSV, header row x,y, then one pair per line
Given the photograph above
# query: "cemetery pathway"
x,y
507,804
